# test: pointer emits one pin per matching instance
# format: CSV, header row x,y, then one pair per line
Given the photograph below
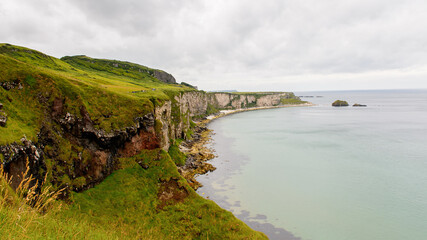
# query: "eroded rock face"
x,y
163,117
164,76
193,103
222,99
90,154
101,148
16,157
143,140
269,100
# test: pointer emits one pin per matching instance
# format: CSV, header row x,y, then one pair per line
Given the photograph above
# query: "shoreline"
x,y
198,154
197,163
223,113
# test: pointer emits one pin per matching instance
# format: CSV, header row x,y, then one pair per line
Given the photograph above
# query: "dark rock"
x,y
16,157
144,166
164,76
11,85
3,119
1,106
340,103
57,107
188,85
359,105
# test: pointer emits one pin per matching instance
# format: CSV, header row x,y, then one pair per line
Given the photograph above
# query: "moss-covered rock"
x,y
340,103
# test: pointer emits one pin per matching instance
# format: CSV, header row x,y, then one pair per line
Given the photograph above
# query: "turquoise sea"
x,y
326,173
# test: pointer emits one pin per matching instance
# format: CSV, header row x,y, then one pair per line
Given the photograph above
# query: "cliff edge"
x,y
89,126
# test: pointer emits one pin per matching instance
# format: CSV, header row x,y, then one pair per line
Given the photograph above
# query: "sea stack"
x,y
340,103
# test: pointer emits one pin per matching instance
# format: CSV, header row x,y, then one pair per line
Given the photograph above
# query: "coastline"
x,y
198,154
197,163
224,113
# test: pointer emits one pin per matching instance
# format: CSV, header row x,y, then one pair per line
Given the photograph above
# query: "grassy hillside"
x,y
121,93
130,204
144,198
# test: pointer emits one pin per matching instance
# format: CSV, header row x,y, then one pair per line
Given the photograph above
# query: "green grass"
x,y
254,93
128,199
45,220
126,205
113,96
177,156
291,101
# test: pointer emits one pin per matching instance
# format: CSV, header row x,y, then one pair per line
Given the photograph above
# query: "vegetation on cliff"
x,y
291,101
93,129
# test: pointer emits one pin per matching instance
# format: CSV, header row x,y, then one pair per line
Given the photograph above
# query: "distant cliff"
x,y
176,114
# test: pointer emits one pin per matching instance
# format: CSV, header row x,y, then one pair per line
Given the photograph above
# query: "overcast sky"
x,y
246,45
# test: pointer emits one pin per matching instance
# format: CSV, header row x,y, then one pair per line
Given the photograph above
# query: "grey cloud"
x,y
238,43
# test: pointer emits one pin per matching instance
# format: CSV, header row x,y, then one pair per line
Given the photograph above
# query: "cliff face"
x,y
164,76
73,118
78,155
174,117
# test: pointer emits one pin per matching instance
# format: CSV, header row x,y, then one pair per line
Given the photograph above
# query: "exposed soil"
x,y
171,192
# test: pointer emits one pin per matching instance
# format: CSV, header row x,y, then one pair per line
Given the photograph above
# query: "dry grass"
x,y
24,207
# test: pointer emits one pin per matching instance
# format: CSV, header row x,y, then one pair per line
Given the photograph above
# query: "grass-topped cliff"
x,y
99,131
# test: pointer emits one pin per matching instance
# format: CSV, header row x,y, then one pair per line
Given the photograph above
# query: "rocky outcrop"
x,y
164,76
17,156
359,105
11,85
164,128
340,103
78,154
197,156
104,147
236,101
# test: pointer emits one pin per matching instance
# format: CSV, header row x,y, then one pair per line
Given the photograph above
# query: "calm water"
x,y
326,173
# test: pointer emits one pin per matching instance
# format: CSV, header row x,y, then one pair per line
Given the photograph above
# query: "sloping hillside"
x,y
98,130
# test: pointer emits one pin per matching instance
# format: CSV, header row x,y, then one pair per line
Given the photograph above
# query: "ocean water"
x,y
326,173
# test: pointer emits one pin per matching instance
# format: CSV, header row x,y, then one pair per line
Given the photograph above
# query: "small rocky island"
x,y
340,103
359,105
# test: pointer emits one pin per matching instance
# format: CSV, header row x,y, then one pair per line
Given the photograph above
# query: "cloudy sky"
x,y
237,44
